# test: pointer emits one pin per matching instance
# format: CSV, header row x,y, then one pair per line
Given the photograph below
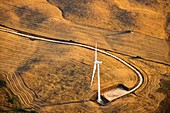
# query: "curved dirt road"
x,y
139,74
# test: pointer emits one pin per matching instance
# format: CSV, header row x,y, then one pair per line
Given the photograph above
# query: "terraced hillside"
x,y
41,76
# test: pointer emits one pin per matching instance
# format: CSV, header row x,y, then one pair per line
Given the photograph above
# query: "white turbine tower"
x,y
97,63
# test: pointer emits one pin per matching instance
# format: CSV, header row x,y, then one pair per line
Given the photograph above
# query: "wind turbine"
x,y
97,63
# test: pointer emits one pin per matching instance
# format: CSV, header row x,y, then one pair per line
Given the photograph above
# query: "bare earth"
x,y
114,93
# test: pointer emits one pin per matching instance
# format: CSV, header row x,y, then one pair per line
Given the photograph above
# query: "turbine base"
x,y
101,102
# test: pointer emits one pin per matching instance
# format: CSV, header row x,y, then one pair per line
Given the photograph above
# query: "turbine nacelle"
x,y
97,62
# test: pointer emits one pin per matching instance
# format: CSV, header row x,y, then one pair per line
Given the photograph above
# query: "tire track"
x,y
18,87
16,91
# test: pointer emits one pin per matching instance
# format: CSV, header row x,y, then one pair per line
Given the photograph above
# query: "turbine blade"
x,y
96,52
94,69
